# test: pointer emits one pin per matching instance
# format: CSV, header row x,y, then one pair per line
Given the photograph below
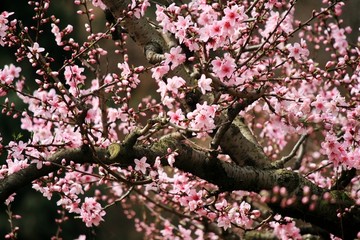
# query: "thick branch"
x,y
240,144
231,177
153,43
226,176
139,29
17,180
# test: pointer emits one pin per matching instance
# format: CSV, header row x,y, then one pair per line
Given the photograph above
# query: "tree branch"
x,y
17,180
280,163
242,147
227,176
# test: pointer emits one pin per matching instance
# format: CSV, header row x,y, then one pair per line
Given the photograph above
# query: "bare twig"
x,y
280,163
120,198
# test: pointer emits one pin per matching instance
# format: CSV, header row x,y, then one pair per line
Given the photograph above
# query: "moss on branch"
x,y
227,176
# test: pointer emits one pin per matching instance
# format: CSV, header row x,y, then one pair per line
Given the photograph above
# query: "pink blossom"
x,y
131,78
194,199
183,23
171,158
17,149
185,233
163,19
298,51
141,165
9,73
99,3
160,71
73,75
174,83
34,51
168,101
224,222
224,67
74,207
176,117
180,27
16,165
234,13
10,199
56,31
180,185
4,25
242,218
204,84
286,230
339,37
81,237
46,191
286,94
221,205
162,89
175,57
167,232
202,118
207,16
93,115
271,3
274,19
320,103
115,114
38,163
139,7
271,23
91,212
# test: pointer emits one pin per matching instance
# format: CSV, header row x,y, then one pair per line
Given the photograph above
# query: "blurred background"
x,y
37,213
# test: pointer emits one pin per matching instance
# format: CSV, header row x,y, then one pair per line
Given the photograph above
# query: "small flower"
x,y
224,222
35,50
10,199
173,84
99,3
298,51
176,117
171,158
175,57
141,165
160,71
16,165
204,84
224,67
73,75
91,212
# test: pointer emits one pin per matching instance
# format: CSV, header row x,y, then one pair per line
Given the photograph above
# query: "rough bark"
x,y
227,176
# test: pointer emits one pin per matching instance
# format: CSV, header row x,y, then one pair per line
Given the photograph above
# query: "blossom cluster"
x,y
7,76
285,229
4,25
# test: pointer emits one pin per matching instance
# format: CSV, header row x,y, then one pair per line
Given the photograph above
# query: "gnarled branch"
x,y
227,176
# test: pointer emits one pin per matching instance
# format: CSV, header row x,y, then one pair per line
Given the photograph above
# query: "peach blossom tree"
x,y
242,122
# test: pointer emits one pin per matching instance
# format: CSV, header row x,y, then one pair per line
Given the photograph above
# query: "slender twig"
x,y
232,114
300,156
318,169
120,198
251,7
280,163
165,207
